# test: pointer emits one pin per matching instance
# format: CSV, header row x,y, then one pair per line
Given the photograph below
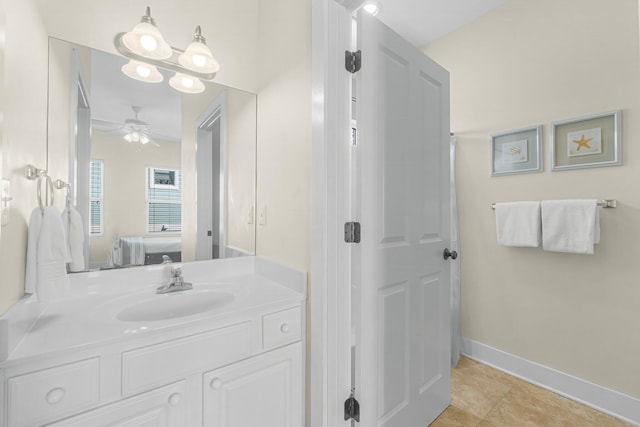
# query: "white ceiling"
x,y
423,21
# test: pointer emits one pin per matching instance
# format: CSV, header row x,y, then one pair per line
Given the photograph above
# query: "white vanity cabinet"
x,y
244,373
240,364
264,391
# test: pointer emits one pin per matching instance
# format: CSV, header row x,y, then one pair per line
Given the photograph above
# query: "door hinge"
x,y
352,61
351,409
352,232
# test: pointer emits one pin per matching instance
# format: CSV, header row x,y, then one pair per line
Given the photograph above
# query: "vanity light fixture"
x,y
186,83
146,48
142,71
197,57
146,40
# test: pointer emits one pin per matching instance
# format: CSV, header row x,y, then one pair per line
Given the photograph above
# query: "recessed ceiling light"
x,y
372,8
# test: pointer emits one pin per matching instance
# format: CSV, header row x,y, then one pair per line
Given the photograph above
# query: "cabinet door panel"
x,y
263,391
163,407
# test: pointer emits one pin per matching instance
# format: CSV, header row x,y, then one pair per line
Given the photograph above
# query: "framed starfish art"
x,y
587,142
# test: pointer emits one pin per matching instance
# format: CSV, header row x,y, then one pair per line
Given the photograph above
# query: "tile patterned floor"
x,y
485,397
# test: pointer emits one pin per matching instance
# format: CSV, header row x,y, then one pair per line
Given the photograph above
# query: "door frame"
x,y
218,108
80,120
330,306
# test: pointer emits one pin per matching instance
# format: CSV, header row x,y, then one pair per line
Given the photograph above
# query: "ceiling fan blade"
x,y
105,124
152,142
156,135
108,128
120,131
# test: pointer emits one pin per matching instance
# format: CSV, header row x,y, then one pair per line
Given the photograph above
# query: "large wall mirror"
x,y
152,171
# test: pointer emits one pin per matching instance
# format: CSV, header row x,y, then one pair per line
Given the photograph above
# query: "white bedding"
x,y
153,245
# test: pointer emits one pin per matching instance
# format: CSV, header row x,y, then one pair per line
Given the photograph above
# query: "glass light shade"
x,y
146,40
372,8
186,84
137,136
130,137
140,71
197,57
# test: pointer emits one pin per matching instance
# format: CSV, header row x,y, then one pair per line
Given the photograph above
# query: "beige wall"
x,y
284,131
125,209
284,138
241,169
24,134
529,63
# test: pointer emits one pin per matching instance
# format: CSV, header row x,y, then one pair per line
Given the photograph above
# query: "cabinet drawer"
x,y
42,396
281,328
147,367
165,406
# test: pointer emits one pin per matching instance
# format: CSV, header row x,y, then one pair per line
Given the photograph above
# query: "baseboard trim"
x,y
611,402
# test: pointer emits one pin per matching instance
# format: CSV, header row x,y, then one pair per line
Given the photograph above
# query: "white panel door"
x,y
400,276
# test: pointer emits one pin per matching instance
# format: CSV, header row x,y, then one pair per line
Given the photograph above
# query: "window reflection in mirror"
x,y
153,171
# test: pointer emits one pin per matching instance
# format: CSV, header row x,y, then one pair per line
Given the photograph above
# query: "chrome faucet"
x,y
176,283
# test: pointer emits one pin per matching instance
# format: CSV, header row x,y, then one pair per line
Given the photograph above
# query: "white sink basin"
x,y
172,305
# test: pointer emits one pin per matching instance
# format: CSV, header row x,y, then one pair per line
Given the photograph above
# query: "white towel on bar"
x,y
571,226
47,253
518,224
74,236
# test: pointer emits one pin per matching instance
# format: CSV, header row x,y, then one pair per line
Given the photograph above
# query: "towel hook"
x,y
49,186
60,184
34,173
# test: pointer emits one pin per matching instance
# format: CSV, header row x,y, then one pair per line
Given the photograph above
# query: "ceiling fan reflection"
x,y
133,129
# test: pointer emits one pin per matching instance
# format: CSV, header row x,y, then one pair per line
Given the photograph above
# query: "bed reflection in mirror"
x,y
154,171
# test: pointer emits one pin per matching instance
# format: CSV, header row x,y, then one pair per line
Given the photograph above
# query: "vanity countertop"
x,y
88,317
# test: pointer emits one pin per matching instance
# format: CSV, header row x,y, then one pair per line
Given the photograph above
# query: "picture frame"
x,y
516,151
587,142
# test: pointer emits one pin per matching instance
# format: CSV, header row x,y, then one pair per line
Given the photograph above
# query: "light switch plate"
x,y
250,219
262,216
5,202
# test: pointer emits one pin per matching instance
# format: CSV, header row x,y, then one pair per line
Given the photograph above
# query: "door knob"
x,y
449,254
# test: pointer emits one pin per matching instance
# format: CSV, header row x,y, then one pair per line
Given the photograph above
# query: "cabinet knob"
x,y
215,383
284,328
55,395
174,399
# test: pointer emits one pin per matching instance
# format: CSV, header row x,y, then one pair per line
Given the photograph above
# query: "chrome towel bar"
x,y
609,203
